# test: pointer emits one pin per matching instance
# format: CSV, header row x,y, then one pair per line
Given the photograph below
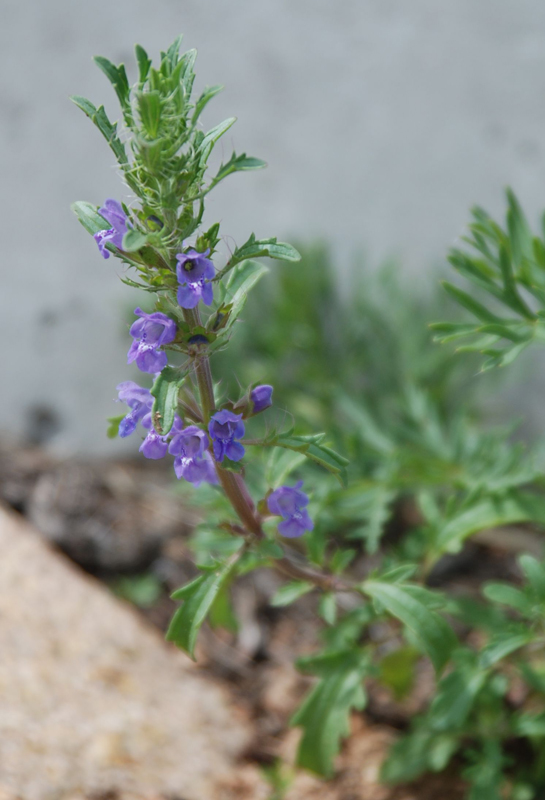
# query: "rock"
x,y
93,703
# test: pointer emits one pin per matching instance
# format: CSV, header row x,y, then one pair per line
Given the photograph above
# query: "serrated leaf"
x,y
165,391
144,64
431,630
325,712
117,77
198,597
108,129
260,248
291,592
241,163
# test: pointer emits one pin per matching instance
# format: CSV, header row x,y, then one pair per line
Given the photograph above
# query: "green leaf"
x,y
241,163
198,597
507,595
291,592
503,645
241,282
490,512
471,304
99,117
89,217
112,430
432,632
486,775
209,140
221,614
455,696
397,670
529,725
280,466
422,750
325,712
327,608
117,77
133,240
144,64
311,447
165,391
204,99
258,248
535,574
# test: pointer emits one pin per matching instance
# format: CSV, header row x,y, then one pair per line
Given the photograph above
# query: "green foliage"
x,y
324,714
198,598
166,390
141,590
431,631
508,265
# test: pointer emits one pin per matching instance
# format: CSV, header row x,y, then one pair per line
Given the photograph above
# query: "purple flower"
x,y
154,446
261,397
224,427
289,503
194,270
192,461
150,332
113,213
139,401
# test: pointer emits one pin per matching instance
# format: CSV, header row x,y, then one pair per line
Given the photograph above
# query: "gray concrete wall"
x,y
382,122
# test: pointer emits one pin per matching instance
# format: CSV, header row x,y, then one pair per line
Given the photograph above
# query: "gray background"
x,y
382,121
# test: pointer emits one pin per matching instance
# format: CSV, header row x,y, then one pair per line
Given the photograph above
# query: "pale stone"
x,y
91,699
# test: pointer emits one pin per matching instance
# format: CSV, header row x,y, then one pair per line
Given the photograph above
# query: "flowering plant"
x,y
163,158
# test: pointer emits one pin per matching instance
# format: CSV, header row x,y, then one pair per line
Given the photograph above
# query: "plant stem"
x,y
235,488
